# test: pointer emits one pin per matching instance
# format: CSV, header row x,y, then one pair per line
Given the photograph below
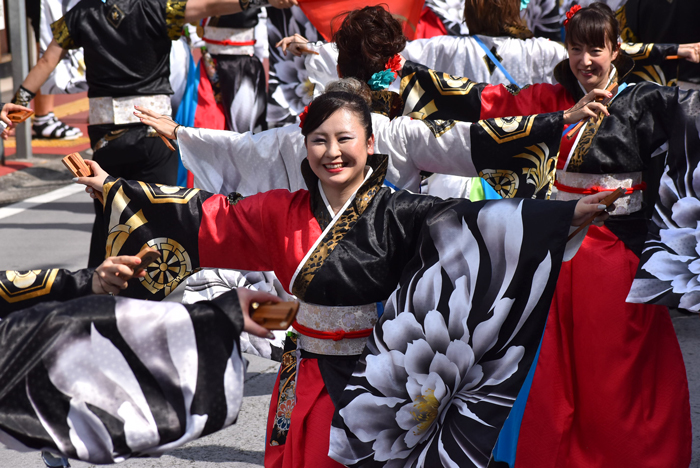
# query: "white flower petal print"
x,y
419,419
691,301
486,333
498,371
386,373
367,408
428,289
457,320
539,283
419,355
436,332
401,331
686,212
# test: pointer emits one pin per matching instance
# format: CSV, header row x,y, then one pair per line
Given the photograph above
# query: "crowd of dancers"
x,y
420,198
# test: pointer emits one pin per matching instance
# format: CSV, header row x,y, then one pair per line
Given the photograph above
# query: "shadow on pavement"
x,y
218,454
258,384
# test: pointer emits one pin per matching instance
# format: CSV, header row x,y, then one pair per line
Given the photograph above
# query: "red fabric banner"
x,y
328,14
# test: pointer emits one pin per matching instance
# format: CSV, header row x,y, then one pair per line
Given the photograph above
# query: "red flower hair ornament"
x,y
570,14
302,116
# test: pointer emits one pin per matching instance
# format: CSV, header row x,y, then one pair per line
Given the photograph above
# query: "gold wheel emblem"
x,y
504,182
170,269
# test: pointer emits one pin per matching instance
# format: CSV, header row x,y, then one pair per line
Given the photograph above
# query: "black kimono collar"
x,y
379,164
563,74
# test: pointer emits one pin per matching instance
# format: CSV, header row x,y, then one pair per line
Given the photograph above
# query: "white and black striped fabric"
x,y
104,378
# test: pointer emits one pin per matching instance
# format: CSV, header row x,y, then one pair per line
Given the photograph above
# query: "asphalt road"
x,y
53,230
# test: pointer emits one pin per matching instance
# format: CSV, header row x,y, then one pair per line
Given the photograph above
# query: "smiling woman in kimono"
x,y
344,245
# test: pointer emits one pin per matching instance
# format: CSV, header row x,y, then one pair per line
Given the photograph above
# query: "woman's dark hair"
x,y
495,18
328,103
366,40
594,25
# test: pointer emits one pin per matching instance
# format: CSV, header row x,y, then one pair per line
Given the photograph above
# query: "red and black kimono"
x,y
610,387
341,266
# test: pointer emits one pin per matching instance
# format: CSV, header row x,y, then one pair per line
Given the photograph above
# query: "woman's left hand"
x,y
690,52
162,124
589,107
589,205
295,45
95,182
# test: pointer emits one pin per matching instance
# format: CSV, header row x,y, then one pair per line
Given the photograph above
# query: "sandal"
x,y
49,127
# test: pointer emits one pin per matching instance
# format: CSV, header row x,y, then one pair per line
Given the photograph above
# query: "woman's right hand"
x,y
246,297
95,182
114,274
589,107
295,44
162,124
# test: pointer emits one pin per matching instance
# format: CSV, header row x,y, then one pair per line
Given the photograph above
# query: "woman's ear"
x,y
617,51
370,145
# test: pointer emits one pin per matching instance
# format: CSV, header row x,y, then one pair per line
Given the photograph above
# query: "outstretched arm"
x,y
196,10
39,74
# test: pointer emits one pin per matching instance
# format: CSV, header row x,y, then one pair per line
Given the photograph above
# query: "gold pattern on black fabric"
x,y
170,269
387,103
233,198
514,89
584,144
175,18
158,193
505,182
16,286
449,85
638,51
626,32
62,35
287,392
111,136
364,196
654,74
115,16
489,63
507,129
439,127
542,175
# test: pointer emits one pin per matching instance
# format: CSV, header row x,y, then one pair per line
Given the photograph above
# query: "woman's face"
x,y
591,64
337,151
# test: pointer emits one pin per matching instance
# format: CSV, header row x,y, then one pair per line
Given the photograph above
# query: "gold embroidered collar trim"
x,y
363,197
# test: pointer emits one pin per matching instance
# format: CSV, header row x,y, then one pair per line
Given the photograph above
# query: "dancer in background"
x,y
112,35
573,403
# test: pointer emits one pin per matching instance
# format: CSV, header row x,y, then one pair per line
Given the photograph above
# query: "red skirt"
x,y
310,425
610,386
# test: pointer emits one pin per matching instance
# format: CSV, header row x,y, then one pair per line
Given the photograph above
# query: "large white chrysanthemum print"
x,y
431,368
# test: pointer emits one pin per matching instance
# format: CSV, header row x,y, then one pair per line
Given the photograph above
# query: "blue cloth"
x,y
496,61
186,111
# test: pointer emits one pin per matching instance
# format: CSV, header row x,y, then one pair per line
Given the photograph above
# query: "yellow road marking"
x,y
41,143
71,108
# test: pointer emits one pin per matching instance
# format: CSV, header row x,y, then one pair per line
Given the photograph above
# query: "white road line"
x,y
41,199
